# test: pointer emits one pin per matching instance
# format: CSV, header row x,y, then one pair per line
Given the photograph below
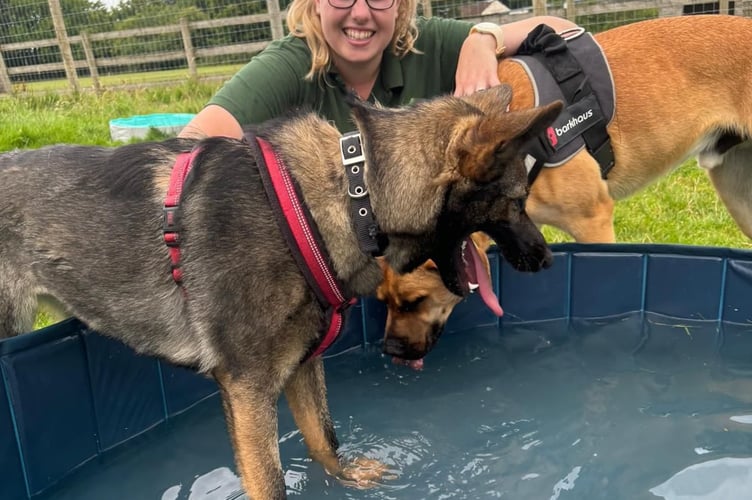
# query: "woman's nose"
x,y
360,10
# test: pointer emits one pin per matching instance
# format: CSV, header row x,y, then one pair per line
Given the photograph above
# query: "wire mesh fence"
x,y
87,41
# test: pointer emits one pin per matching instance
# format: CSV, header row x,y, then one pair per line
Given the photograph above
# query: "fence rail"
x,y
84,61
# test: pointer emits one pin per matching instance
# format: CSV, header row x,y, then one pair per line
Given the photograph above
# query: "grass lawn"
x,y
166,77
681,208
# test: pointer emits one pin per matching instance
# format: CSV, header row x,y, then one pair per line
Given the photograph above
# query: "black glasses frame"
x,y
368,2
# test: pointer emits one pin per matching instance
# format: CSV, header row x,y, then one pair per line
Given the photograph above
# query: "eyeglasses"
x,y
372,4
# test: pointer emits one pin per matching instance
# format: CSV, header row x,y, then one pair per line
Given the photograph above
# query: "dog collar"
x,y
371,240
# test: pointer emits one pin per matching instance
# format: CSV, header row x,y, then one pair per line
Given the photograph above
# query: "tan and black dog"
x,y
85,226
683,88
418,304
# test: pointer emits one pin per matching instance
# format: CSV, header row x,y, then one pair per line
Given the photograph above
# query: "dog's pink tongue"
x,y
484,283
415,364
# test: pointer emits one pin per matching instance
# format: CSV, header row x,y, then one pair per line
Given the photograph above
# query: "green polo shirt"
x,y
272,83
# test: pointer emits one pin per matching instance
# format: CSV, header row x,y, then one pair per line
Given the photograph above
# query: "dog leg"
x,y
306,395
733,182
17,302
251,414
586,214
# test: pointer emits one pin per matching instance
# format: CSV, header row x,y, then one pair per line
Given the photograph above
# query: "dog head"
x,y
418,304
444,168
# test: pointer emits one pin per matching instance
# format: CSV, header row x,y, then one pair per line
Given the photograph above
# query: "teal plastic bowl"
x,y
136,127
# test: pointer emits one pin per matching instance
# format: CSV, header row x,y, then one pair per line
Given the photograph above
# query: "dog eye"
x,y
521,204
411,305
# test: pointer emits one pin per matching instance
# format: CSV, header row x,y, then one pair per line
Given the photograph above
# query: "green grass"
x,y
111,82
682,208
32,120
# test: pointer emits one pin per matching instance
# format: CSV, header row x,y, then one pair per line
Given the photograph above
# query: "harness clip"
x,y
170,222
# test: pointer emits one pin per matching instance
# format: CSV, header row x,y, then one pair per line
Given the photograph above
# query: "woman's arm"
x,y
477,63
270,84
212,121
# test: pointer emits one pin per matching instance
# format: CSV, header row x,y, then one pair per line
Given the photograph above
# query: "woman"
x,y
378,49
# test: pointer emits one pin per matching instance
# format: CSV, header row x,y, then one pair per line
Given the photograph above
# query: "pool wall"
x,y
69,395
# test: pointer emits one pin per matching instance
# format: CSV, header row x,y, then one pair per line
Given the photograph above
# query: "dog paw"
x,y
363,473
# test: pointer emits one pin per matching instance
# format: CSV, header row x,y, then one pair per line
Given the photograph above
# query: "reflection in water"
x,y
218,484
722,479
742,419
567,483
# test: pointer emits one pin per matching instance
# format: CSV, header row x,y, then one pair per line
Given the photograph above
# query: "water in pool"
x,y
600,411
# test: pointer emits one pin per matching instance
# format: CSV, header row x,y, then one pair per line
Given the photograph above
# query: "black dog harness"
x,y
296,223
570,67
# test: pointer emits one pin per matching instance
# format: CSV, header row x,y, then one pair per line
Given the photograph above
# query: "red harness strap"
x,y
170,225
317,269
302,239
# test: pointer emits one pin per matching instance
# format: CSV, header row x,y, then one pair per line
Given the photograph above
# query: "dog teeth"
x,y
473,287
464,257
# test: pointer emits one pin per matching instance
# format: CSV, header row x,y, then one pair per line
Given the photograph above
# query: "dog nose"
x,y
402,349
393,347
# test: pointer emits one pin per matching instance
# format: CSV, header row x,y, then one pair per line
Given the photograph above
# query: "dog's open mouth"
x,y
473,275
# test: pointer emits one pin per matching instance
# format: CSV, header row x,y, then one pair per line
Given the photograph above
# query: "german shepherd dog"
x,y
683,88
418,304
84,225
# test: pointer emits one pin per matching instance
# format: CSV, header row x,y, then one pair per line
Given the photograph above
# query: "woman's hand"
x,y
476,66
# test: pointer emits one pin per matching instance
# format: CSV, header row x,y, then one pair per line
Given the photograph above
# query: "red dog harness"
x,y
296,224
170,227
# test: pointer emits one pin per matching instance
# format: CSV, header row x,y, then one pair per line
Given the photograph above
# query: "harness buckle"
x,y
351,149
170,222
344,306
170,226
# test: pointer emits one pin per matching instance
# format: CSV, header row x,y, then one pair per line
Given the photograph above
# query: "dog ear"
x,y
430,265
491,100
487,144
387,282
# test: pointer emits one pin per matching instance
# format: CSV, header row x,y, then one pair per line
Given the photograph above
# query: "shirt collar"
x,y
391,71
390,74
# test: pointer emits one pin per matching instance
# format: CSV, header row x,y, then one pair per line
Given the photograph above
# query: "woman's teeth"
x,y
358,35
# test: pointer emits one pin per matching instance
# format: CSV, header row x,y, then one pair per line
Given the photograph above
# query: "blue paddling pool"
x,y
138,126
623,372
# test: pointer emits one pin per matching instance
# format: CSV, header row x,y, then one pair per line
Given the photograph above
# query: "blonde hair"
x,y
303,22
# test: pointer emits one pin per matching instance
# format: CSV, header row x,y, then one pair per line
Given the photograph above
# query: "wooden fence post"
x,y
91,61
190,54
427,10
275,19
539,8
62,40
570,9
6,87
